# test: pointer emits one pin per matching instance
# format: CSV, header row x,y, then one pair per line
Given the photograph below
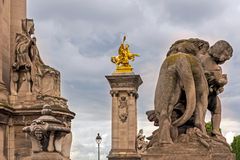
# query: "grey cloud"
x,y
84,144
193,12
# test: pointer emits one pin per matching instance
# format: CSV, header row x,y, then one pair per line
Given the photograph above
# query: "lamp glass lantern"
x,y
98,139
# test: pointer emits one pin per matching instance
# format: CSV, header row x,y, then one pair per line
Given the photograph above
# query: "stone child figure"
x,y
220,52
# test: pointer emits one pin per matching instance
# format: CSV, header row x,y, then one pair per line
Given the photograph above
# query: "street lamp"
x,y
98,140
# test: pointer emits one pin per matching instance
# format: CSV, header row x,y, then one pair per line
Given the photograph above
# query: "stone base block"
x,y
194,145
46,156
195,150
124,156
163,156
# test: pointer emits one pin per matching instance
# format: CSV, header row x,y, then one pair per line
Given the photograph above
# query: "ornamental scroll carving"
x,y
123,108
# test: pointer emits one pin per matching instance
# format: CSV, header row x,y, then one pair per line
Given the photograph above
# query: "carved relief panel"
x,y
123,108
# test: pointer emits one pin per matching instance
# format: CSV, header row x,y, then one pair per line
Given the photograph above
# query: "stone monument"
x,y
29,129
189,83
124,86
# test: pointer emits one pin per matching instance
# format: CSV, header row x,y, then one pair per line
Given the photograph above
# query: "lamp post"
x,y
98,140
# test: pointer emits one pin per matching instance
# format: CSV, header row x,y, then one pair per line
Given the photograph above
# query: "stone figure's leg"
x,y
200,113
166,96
14,83
216,118
201,100
29,82
50,147
66,145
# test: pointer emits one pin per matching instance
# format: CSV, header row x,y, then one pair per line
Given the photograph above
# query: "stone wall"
x,y
11,13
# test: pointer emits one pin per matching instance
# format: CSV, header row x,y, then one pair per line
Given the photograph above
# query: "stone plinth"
x,y
191,146
124,89
46,156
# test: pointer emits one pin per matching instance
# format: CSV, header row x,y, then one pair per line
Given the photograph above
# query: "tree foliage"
x,y
236,146
208,126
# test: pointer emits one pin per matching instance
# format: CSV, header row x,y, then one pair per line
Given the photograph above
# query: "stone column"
x,y
4,46
124,89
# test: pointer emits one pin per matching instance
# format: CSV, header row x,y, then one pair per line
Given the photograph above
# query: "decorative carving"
x,y
122,60
132,93
30,76
49,134
114,93
141,143
51,100
123,109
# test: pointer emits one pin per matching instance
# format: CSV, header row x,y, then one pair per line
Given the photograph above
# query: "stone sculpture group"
x,y
189,83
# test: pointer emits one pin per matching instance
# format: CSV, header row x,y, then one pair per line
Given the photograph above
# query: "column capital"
x,y
124,81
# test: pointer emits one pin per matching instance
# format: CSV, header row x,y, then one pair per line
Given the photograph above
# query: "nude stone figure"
x,y
218,54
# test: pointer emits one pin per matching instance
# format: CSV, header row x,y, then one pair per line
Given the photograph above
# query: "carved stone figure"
x,y
220,52
141,142
189,82
122,60
49,134
24,50
181,77
30,76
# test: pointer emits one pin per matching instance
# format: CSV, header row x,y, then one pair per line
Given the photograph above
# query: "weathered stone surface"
x,y
49,134
189,82
192,145
45,156
31,79
124,89
19,110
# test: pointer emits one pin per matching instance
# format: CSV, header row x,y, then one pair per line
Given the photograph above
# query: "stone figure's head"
x,y
38,129
202,45
28,26
221,51
183,46
38,133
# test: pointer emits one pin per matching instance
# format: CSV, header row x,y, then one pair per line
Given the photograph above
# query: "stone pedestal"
x,y
124,89
191,146
46,156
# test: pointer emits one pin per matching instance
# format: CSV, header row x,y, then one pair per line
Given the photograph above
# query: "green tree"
x,y
236,146
208,127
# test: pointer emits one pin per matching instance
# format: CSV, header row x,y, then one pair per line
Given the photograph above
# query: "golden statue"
x,y
122,60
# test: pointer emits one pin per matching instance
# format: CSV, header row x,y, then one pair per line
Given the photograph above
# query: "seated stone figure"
x,y
30,76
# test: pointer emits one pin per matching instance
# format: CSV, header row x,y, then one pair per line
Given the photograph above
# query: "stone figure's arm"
x,y
23,45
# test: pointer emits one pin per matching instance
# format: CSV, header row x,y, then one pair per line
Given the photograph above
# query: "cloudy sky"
x,y
78,37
